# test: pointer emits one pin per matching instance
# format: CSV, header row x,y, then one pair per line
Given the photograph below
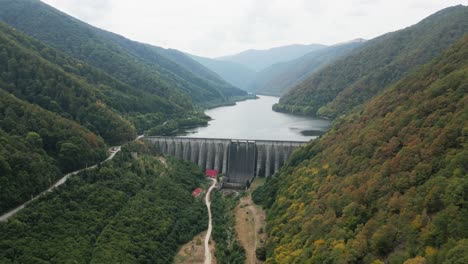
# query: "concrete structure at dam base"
x,y
239,160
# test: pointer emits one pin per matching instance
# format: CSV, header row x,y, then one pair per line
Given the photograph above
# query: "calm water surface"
x,y
254,119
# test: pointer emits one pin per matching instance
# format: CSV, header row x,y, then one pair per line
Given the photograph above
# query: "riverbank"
x,y
232,101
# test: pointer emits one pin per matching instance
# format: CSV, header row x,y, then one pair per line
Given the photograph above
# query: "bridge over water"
x,y
239,160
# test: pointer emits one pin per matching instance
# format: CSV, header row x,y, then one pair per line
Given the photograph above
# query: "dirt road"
x,y
210,227
194,251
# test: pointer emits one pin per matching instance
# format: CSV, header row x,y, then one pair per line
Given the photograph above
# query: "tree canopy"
x,y
37,147
365,72
387,184
126,211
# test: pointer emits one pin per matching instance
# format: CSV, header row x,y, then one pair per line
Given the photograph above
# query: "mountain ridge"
x,y
252,81
94,46
234,73
257,60
346,83
386,183
279,78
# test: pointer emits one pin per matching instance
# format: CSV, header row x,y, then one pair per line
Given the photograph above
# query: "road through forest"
x,y
113,152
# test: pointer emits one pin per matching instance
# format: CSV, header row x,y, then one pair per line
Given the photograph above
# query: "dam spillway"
x,y
239,160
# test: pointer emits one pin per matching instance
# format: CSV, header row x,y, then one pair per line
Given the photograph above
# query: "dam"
x,y
239,160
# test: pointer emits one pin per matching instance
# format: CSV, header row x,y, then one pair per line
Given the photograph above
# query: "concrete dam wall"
x,y
238,160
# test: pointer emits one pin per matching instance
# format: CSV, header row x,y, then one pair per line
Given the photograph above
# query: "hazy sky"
x,y
219,27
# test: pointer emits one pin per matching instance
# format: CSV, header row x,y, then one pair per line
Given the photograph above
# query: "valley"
x,y
127,147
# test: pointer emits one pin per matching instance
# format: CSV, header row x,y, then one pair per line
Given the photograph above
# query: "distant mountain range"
x,y
234,73
274,71
279,78
258,60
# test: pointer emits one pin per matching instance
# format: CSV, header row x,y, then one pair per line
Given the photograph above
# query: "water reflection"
x,y
254,119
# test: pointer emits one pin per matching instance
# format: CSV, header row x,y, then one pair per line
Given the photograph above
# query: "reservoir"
x,y
254,119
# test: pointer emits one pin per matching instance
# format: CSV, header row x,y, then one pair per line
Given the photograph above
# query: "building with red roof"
x,y
197,192
211,173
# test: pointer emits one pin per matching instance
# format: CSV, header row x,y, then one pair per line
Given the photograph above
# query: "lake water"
x,y
254,119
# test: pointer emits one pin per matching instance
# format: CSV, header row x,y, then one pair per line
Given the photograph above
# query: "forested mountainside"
x,y
209,88
132,63
192,65
234,73
126,211
41,75
379,62
37,147
258,60
387,184
279,78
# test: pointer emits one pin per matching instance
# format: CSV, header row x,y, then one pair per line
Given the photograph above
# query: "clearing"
x,y
250,223
194,251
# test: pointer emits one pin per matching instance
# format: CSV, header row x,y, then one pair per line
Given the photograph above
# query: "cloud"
x,y
88,10
218,27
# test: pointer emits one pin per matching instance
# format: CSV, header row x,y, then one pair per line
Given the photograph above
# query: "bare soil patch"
x,y
193,252
250,224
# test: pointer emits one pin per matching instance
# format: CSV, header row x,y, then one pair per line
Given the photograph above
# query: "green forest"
x,y
125,211
36,74
116,111
37,147
379,62
171,75
387,184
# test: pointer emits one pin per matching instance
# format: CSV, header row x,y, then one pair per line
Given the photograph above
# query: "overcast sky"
x,y
219,27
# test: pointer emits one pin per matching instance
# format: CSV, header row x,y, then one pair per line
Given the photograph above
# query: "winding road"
x,y
113,151
4,217
210,227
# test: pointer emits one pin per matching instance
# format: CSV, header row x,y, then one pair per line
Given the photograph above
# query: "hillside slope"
x,y
281,77
387,183
378,63
37,147
125,211
258,60
41,75
210,86
132,63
